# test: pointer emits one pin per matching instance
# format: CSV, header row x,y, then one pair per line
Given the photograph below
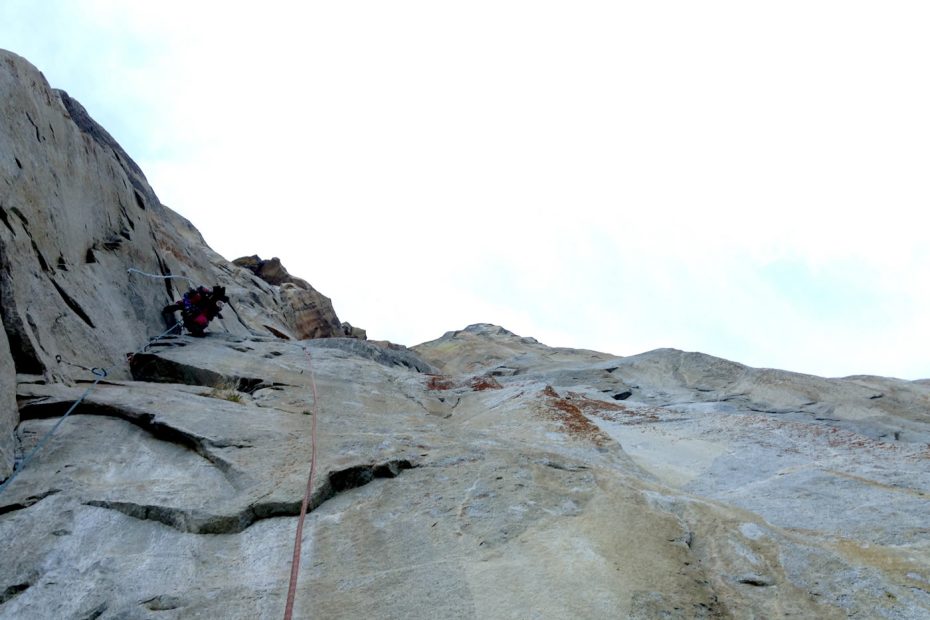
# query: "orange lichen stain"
x,y
573,420
833,437
439,382
612,412
480,384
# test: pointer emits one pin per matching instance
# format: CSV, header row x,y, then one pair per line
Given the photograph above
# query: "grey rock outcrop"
x,y
307,312
483,347
354,332
386,353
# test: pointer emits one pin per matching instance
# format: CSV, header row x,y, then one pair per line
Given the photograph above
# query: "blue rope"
x,y
100,373
158,337
152,275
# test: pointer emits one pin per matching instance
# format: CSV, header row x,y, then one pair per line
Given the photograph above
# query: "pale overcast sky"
x,y
746,179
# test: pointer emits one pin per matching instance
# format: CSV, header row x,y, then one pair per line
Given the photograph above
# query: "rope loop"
x,y
158,277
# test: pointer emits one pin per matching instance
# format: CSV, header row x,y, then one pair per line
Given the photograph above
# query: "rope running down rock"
x,y
295,562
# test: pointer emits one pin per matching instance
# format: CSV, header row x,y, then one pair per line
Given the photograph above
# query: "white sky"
x,y
745,179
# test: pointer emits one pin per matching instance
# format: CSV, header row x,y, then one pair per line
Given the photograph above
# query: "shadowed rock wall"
x,y
8,413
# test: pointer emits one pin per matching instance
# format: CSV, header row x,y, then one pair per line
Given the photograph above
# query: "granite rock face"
x,y
76,213
485,508
470,494
480,475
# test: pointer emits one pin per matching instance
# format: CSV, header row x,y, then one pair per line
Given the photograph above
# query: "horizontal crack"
x,y
155,369
199,522
759,581
144,420
13,591
184,520
354,477
29,501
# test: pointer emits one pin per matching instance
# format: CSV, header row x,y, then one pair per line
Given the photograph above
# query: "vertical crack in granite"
x,y
75,306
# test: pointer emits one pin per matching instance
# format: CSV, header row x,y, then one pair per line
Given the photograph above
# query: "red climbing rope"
x,y
295,562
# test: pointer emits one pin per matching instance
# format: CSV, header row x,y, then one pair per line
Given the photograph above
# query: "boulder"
x,y
354,332
307,312
271,271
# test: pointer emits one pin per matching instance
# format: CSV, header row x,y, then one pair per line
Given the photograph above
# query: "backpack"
x,y
193,298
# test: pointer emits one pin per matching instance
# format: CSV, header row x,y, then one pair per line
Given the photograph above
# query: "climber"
x,y
198,307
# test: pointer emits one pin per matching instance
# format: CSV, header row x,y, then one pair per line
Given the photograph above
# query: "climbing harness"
x,y
100,373
295,562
